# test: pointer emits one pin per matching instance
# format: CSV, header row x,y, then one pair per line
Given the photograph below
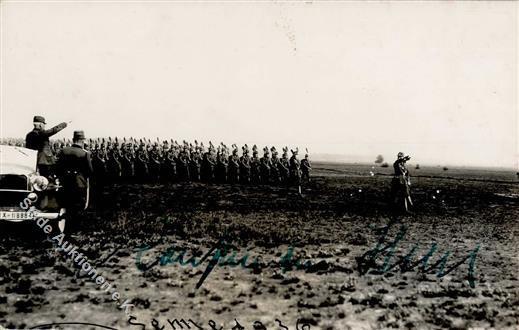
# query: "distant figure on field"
x,y
400,185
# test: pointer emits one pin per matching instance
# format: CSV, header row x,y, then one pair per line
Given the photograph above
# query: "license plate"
x,y
4,215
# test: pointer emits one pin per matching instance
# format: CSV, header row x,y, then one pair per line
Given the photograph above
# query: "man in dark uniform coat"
x,y
284,167
295,170
400,185
38,139
245,167
274,167
207,167
305,169
74,167
221,166
255,166
265,166
233,174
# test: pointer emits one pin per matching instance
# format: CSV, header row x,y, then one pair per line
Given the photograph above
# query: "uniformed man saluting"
x,y
74,168
400,185
38,139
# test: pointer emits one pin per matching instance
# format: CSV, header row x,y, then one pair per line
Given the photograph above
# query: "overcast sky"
x,y
437,80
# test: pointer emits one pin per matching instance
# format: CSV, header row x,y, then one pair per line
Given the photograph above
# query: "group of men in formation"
x,y
143,160
168,161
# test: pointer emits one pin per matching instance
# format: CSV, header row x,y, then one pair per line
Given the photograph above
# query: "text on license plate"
x,y
5,215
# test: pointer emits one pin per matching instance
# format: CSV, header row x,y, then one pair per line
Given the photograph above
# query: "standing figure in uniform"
x,y
274,167
305,169
127,162
38,139
255,166
284,167
183,164
234,166
141,163
245,167
207,167
265,166
295,170
114,163
154,162
400,185
169,166
74,167
99,156
195,164
221,164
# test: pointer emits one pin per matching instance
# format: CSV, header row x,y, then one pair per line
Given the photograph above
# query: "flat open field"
x,y
344,213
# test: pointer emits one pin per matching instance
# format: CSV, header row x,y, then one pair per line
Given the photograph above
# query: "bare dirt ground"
x,y
333,225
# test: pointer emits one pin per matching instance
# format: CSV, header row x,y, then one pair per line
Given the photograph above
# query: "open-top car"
x,y
24,194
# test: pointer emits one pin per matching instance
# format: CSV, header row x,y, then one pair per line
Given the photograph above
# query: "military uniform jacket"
x,y
305,165
39,140
400,168
401,173
75,163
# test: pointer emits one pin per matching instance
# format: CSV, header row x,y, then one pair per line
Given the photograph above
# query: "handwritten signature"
x,y
367,263
221,255
301,324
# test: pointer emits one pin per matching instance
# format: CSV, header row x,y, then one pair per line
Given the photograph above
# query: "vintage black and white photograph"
x,y
280,165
